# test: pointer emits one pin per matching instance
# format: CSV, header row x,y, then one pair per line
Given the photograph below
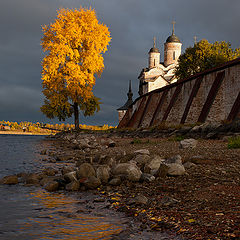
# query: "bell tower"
x,y
153,56
172,48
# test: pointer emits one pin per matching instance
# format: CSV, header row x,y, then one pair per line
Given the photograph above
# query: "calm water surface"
x,y
32,213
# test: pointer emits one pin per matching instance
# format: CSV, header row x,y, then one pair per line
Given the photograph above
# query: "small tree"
x,y
74,44
204,55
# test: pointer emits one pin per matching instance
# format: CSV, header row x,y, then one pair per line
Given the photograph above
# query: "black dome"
x,y
173,39
154,50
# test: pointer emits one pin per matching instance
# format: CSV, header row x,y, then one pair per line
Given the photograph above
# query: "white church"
x,y
159,74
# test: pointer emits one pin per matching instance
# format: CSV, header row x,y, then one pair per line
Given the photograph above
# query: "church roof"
x,y
173,38
126,105
154,49
129,101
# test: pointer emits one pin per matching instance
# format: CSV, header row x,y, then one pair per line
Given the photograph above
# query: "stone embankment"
x,y
189,187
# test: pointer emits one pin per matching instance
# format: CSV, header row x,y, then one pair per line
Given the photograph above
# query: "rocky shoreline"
x,y
181,181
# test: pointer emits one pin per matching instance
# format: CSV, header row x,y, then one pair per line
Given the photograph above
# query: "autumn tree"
x,y
204,55
74,44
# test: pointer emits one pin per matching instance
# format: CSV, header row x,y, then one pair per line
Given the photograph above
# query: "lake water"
x,y
32,213
28,213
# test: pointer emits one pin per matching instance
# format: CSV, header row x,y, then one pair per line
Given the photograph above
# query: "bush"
x,y
234,142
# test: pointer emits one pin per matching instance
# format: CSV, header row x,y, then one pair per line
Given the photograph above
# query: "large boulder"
x,y
106,160
44,181
171,166
115,181
73,186
141,159
85,170
176,169
33,178
70,177
127,170
52,186
188,143
103,173
9,180
153,165
92,182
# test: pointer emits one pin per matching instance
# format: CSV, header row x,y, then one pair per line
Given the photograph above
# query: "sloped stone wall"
x,y
211,96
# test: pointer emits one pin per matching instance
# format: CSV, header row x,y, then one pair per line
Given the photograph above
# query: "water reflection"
x,y
59,218
30,213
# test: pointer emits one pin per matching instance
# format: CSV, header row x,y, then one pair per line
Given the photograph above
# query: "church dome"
x,y
173,39
154,50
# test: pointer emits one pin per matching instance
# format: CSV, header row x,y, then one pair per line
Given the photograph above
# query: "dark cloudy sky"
x,y
132,23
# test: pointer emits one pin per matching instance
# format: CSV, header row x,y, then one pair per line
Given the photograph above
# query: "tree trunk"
x,y
76,115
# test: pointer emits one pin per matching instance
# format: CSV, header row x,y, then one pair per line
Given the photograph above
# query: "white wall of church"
x,y
172,52
154,59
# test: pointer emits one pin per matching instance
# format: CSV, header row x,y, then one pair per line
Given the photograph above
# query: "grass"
x,y
234,142
176,138
140,141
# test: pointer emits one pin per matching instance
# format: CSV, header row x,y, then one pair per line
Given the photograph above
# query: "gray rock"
x,y
197,159
83,143
175,159
129,171
141,159
73,186
43,152
92,182
115,181
168,201
64,158
103,174
140,200
85,170
52,186
50,171
188,143
9,180
176,169
153,165
70,177
33,178
67,169
44,181
146,177
163,170
69,137
107,160
142,151
188,165
111,143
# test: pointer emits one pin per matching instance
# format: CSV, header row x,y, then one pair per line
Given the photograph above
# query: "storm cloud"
x,y
132,24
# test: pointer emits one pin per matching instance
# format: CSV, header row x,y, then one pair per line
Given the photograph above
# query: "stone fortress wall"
x,y
210,96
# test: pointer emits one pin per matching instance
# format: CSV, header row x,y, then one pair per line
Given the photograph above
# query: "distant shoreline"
x,y
21,133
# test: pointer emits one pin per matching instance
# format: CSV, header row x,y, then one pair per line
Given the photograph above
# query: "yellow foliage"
x,y
74,44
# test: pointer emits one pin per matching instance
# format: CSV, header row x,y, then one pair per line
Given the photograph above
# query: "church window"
x,y
154,63
174,55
